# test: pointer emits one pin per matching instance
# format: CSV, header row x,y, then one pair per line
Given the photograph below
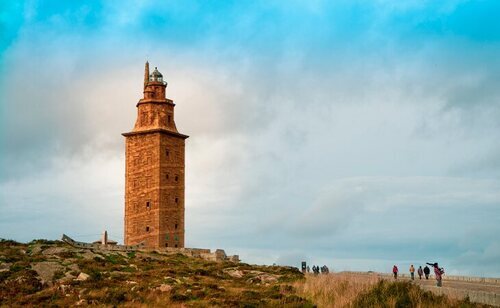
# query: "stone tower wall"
x,y
154,174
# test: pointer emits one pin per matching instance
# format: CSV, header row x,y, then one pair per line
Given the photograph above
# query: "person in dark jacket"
x,y
427,271
420,272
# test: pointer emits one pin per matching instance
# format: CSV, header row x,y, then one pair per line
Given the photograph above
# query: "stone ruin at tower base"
x,y
206,254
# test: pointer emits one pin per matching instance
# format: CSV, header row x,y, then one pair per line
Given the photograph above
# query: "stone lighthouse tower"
x,y
154,170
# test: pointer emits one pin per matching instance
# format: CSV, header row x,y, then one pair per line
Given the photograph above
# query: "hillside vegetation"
x,y
51,273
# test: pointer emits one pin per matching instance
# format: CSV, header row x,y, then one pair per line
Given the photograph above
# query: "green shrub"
x,y
95,275
387,294
115,296
114,259
58,275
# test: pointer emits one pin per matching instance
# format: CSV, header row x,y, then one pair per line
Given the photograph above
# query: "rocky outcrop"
x,y
47,270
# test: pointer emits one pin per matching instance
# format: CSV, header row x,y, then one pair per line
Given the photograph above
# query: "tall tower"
x,y
154,170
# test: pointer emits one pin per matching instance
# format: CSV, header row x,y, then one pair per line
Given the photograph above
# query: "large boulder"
x,y
235,273
46,270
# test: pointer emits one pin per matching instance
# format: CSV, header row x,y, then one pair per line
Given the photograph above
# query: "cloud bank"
x,y
356,135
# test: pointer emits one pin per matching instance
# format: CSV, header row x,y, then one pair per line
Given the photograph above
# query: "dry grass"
x,y
335,290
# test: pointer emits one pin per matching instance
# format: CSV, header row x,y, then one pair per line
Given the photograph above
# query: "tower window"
x,y
166,244
169,119
176,200
176,226
176,178
175,245
166,176
147,229
148,205
167,152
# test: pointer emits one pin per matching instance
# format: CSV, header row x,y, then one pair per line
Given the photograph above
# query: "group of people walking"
x,y
438,272
316,269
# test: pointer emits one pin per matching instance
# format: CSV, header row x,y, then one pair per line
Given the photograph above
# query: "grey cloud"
x,y
291,156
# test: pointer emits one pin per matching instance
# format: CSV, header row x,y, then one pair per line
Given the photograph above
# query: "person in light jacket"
x,y
412,272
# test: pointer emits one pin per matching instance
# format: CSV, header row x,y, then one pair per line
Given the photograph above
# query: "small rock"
x,y
54,250
264,278
130,282
115,274
88,255
74,267
37,248
67,278
82,277
81,302
64,288
165,288
4,267
268,278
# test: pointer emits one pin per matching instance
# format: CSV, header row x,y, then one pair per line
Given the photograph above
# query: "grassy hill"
x,y
51,273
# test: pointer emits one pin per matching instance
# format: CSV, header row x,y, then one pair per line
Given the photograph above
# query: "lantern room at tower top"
x,y
154,86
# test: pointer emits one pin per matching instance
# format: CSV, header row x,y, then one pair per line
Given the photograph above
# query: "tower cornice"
x,y
156,130
155,101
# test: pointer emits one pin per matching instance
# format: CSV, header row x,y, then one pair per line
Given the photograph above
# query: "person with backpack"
x,y
395,271
420,272
412,272
427,271
438,272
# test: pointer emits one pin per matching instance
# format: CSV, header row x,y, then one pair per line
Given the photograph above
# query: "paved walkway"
x,y
472,286
478,291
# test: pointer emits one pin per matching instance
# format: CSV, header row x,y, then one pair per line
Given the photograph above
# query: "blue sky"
x,y
356,134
